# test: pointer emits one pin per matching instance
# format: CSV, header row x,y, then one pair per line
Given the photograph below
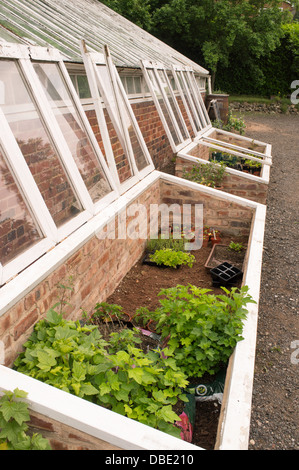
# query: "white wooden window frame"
x,y
50,233
195,106
100,94
154,67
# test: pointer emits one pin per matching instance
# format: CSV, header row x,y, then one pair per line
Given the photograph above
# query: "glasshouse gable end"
x,y
98,118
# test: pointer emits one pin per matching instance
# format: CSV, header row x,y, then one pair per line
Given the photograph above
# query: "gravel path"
x,y
275,406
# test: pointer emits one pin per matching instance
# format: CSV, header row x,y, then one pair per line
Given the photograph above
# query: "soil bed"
x,y
140,288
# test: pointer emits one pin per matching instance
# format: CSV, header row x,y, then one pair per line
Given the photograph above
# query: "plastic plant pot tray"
x,y
225,273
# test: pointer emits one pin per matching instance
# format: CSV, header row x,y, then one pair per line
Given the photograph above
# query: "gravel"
x,y
275,403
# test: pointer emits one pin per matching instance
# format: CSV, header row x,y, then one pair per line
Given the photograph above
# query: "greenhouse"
x,y
93,112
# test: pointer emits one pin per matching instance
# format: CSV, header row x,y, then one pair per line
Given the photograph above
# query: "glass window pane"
x,y
36,147
173,104
73,130
84,91
137,83
119,149
163,107
17,228
130,85
188,101
195,99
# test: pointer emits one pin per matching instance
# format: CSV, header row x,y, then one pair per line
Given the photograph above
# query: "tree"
x,y
211,31
137,11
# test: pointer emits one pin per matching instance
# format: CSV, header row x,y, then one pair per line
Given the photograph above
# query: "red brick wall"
x,y
233,184
228,217
64,437
153,133
94,271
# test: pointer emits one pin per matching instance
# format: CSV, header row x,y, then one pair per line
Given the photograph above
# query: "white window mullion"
x,y
190,98
121,97
97,100
182,95
141,141
110,68
87,126
167,104
197,97
57,137
156,101
177,107
106,90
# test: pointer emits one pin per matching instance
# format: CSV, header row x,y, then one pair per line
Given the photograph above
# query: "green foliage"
x,y
14,415
201,329
210,174
137,11
114,374
234,123
172,258
175,244
238,247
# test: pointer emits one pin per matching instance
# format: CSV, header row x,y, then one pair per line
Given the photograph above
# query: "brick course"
x,y
233,184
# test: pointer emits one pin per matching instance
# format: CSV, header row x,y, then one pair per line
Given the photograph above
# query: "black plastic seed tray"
x,y
225,273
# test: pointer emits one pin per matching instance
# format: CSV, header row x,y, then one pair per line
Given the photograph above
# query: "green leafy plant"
x,y
107,313
200,329
161,243
234,123
252,164
76,359
210,174
14,415
238,247
171,258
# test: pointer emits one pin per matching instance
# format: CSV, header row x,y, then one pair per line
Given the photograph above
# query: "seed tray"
x,y
225,273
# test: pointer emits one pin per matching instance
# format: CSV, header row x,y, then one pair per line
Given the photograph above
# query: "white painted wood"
x,y
259,179
89,418
235,427
223,148
174,145
88,59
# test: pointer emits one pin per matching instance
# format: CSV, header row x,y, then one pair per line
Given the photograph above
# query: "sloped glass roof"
x,y
63,23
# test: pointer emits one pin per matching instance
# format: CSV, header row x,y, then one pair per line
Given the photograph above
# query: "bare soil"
x,y
140,288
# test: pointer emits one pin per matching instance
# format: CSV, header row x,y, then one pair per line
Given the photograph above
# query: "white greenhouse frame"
x,y
177,121
192,98
22,56
93,61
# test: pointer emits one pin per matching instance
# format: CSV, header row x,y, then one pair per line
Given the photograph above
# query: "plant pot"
x,y
215,240
187,419
205,241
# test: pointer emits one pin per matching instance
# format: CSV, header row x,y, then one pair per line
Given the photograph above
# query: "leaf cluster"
x,y
175,244
201,329
237,247
172,258
210,174
114,374
14,416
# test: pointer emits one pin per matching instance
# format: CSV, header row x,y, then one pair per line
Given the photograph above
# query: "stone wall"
x,y
271,108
